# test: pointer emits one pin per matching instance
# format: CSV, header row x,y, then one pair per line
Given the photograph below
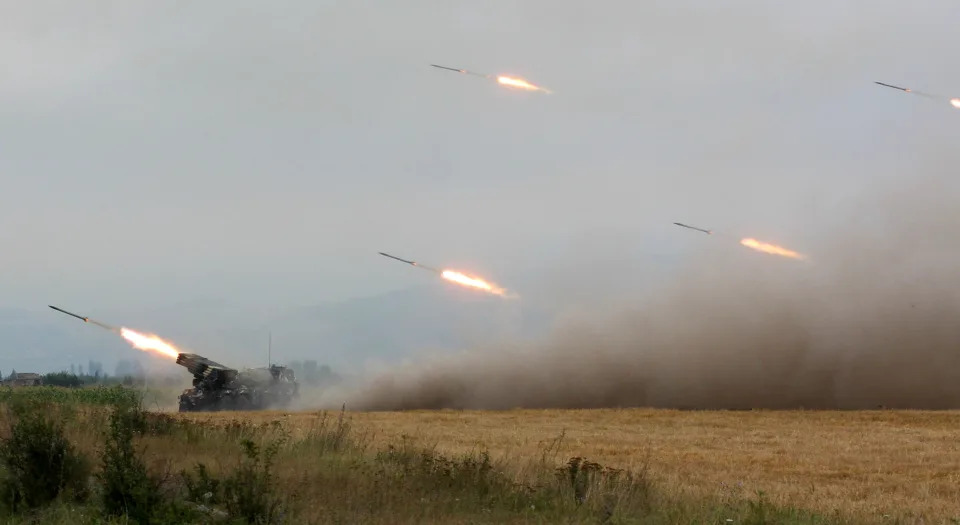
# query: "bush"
x,y
40,462
127,487
204,488
249,494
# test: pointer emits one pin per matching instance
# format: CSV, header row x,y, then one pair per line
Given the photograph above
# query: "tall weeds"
x,y
127,489
39,462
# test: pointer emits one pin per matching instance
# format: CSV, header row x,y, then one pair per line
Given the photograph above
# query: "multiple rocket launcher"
x,y
215,386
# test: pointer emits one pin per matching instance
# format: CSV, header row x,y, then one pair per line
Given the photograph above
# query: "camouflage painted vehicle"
x,y
217,387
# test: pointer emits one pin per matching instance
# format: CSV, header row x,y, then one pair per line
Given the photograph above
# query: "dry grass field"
x,y
119,464
870,465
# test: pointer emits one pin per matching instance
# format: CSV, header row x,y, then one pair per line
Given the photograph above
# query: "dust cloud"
x,y
872,319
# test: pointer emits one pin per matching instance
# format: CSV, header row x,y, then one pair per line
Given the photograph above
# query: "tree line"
x,y
131,372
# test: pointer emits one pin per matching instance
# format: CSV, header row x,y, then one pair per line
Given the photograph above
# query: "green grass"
x,y
98,395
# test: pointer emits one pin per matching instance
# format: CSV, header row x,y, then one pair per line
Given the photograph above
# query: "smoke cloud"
x,y
872,319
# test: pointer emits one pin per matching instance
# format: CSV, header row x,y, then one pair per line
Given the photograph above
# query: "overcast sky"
x,y
264,152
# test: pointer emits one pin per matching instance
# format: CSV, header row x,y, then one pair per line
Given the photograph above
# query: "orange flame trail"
x,y
472,282
504,80
771,249
955,102
459,278
150,343
519,83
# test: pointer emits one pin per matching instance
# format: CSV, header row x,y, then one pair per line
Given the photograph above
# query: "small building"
x,y
25,379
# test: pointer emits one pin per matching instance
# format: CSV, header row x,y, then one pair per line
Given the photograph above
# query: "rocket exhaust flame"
x,y
771,249
752,243
146,342
457,277
503,80
149,342
520,83
472,282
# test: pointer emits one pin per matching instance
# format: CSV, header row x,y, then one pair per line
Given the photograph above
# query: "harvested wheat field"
x,y
866,464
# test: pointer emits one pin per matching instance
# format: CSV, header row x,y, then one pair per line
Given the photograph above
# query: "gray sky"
x,y
263,152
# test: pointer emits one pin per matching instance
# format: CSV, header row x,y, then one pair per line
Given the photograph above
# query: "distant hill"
x,y
340,334
343,334
395,324
33,341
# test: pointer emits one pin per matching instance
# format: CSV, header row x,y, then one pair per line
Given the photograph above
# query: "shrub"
x,y
250,492
40,462
127,487
204,488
